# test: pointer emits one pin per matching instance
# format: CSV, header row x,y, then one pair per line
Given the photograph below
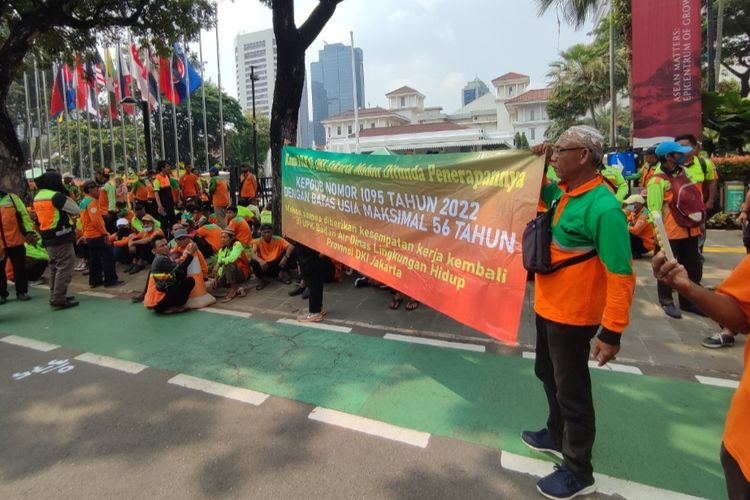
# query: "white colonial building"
x,y
407,126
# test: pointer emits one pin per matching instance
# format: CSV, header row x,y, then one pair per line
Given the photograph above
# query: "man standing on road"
x,y
682,231
248,186
16,229
101,257
574,302
729,306
164,197
53,209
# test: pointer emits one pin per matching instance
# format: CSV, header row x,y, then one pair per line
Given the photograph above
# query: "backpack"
x,y
536,243
686,206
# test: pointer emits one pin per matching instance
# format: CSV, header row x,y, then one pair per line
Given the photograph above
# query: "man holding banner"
x,y
573,302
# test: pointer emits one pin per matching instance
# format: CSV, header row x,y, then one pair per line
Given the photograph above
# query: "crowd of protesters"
x,y
189,237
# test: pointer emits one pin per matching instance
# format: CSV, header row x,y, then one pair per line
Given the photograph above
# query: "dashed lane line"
x,y
604,484
114,363
437,343
217,389
612,367
226,312
719,382
370,426
318,326
37,345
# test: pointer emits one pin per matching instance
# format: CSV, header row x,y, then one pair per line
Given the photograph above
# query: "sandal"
x,y
241,292
228,298
411,305
262,285
395,304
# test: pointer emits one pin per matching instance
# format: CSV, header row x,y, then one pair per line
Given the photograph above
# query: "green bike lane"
x,y
656,431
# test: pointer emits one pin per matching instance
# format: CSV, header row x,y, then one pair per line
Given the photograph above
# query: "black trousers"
x,y
311,266
686,252
738,486
35,268
144,252
177,295
562,355
274,267
169,218
101,262
17,256
636,246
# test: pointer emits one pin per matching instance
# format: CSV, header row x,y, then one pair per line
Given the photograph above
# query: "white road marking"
x,y
43,287
99,294
37,345
217,389
319,326
371,427
612,367
604,484
615,367
433,342
719,382
114,363
225,312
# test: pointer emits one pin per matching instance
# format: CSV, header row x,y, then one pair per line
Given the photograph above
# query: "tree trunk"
x,y
12,179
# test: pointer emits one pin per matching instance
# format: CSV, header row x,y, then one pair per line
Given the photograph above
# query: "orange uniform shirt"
x,y
270,250
91,218
249,186
220,196
212,234
241,230
639,225
189,185
737,430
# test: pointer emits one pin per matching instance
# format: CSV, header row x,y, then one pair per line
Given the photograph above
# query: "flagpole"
x,y
107,79
161,124
203,98
29,125
66,117
123,114
354,95
190,113
39,115
221,108
46,123
135,129
101,141
174,120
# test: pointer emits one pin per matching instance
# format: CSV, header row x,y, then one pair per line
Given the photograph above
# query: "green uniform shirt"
x,y
620,184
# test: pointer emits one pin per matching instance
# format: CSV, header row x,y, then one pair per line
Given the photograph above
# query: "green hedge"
x,y
733,168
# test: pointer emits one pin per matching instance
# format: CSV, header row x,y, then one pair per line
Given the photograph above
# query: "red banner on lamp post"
x,y
666,97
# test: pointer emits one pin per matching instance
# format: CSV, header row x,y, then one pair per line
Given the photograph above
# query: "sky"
x,y
434,46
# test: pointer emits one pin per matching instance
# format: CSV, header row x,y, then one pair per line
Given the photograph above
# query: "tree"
x,y
735,52
726,118
291,43
47,28
574,12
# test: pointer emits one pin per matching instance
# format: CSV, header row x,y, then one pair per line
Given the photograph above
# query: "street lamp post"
x,y
146,130
253,78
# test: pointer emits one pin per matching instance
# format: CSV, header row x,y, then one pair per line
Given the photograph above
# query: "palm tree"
x,y
575,12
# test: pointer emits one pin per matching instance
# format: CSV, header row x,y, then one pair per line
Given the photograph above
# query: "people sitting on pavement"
x,y
141,244
182,240
120,240
199,218
231,268
169,286
37,261
140,212
16,230
272,257
683,232
239,225
728,306
101,258
640,228
211,234
398,298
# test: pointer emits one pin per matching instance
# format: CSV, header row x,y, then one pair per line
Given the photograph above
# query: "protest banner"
x,y
444,229
666,70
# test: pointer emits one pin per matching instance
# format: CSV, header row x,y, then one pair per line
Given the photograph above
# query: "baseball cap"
x,y
180,233
122,222
669,147
214,170
266,227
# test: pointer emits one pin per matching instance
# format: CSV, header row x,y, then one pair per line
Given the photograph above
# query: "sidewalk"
x,y
653,340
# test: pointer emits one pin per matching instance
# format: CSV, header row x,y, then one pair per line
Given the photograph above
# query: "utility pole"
x,y
710,41
253,77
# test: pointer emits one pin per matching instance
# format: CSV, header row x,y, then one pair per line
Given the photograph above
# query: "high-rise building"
x,y
331,84
258,49
473,91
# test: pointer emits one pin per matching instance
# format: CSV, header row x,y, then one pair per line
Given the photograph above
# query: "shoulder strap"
x,y
704,167
574,260
609,183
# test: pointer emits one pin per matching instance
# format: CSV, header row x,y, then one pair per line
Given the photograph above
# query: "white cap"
x,y
122,222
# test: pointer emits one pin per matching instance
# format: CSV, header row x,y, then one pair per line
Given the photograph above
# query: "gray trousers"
x,y
221,216
61,261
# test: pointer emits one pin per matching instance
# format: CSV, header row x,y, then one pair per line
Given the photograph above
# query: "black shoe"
x,y
306,294
137,299
114,284
65,305
297,291
97,285
137,269
672,311
23,297
129,268
541,441
361,282
3,300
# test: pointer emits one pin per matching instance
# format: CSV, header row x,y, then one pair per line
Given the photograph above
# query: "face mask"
x,y
148,229
630,208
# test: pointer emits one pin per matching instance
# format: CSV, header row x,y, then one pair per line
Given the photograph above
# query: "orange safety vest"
x,y
53,224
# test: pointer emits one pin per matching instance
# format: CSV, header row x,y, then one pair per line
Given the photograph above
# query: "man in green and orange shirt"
x,y
164,197
219,193
101,257
575,302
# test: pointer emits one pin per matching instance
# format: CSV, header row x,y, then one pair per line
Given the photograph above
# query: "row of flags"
x,y
79,87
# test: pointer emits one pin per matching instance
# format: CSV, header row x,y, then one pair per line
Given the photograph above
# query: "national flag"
x,y
111,84
144,80
123,80
175,75
57,102
92,87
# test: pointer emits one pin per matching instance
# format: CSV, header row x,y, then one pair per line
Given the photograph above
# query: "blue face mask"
x,y
631,208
